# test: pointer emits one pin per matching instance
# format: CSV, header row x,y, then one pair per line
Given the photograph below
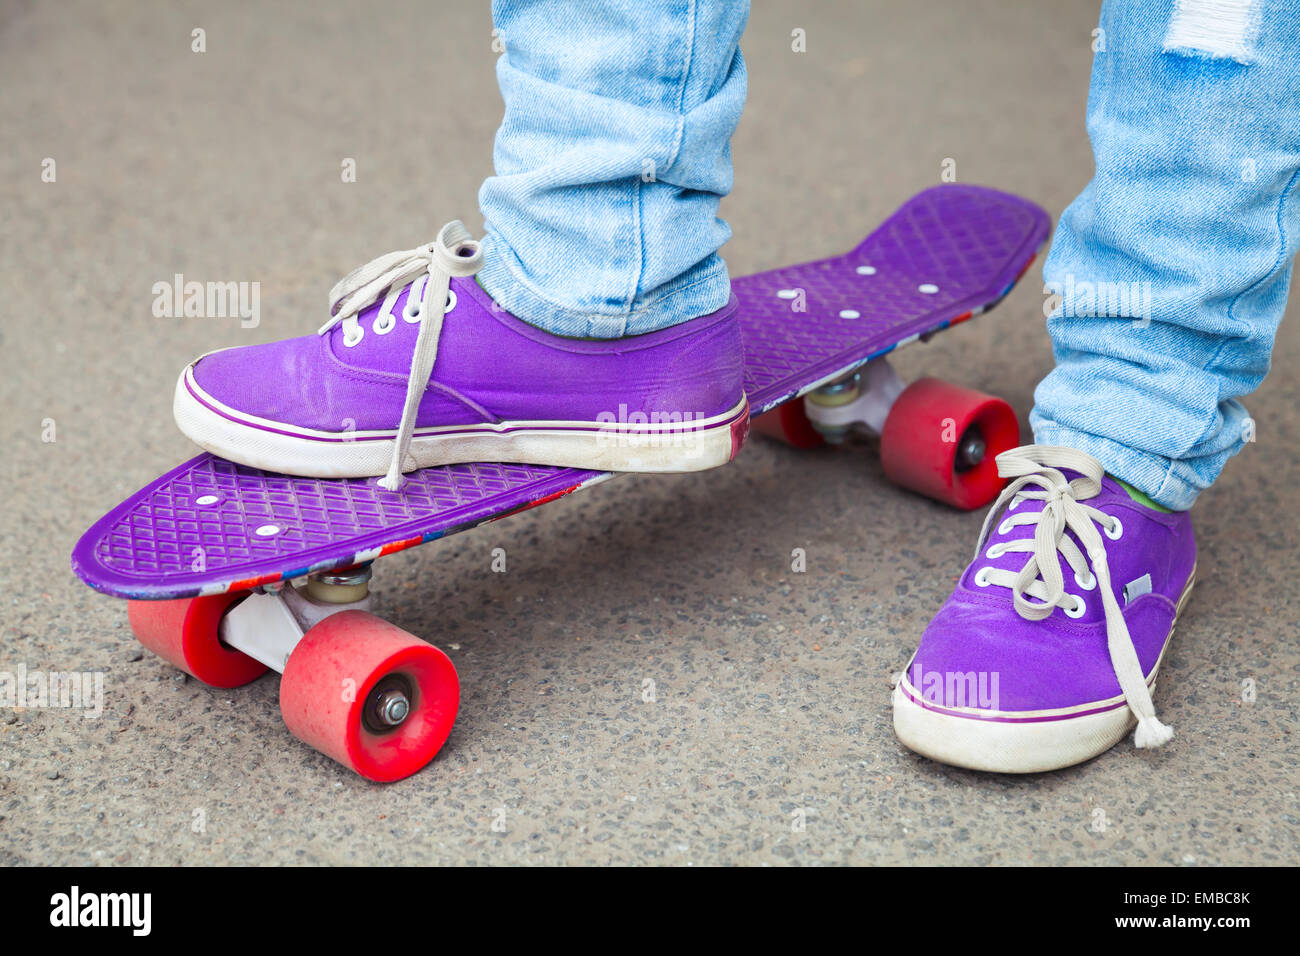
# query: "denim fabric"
x,y
1171,269
1173,265
611,161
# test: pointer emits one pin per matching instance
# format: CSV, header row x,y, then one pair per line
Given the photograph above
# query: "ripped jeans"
x,y
1172,267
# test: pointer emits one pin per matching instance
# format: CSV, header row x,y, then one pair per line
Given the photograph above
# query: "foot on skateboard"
x,y
213,555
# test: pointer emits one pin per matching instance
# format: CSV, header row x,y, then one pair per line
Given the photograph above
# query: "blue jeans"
x,y
611,161
1169,273
1173,265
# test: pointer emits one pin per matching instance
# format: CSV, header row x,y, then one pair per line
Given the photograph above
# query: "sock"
x,y
1141,498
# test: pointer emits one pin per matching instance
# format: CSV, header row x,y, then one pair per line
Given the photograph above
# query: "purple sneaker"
x,y
1046,653
380,390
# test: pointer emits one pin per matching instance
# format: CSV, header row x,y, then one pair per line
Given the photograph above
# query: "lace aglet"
x,y
1151,733
393,480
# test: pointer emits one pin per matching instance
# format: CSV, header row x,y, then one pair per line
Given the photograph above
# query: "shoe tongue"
x,y
1069,473
1036,504
1108,484
1108,487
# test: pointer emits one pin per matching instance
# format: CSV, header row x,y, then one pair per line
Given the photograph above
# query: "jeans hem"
x,y
1153,475
703,289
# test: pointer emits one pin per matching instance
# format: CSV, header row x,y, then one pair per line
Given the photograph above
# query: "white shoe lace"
x,y
453,253
1042,578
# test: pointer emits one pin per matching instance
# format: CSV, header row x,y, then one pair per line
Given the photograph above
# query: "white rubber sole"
x,y
606,446
1018,742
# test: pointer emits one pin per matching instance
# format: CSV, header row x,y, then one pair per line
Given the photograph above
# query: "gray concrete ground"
x,y
772,687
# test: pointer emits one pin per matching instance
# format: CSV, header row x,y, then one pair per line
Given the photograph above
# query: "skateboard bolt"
x,y
391,708
340,586
839,392
971,450
345,577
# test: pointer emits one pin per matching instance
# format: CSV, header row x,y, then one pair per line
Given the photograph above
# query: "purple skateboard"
x,y
208,551
210,526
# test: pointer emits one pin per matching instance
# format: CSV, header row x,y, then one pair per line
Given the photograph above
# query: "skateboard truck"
x,y
863,396
866,396
267,625
935,437
356,688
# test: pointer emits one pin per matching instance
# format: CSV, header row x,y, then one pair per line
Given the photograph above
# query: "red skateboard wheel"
x,y
184,633
923,435
789,423
331,690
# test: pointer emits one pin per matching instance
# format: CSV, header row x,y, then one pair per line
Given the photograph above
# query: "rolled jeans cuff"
x,y
1166,482
702,289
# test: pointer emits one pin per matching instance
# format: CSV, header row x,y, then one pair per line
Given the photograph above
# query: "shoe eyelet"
x,y
384,324
1079,607
1119,529
995,551
981,578
414,300
1005,527
414,315
1088,583
350,340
